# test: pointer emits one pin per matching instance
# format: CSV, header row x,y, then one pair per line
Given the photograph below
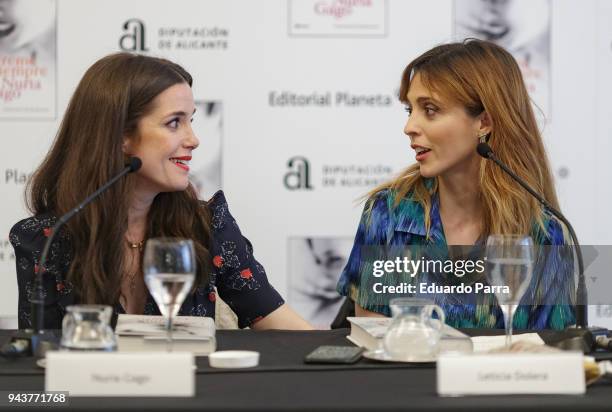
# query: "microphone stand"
x,y
42,340
580,337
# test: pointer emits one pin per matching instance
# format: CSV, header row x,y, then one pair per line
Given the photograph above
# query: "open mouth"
x,y
6,28
182,162
421,153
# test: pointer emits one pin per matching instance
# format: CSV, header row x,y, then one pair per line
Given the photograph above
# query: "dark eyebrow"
x,y
425,99
180,113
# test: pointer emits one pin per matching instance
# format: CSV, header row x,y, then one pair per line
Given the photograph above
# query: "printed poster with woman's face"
x,y
207,162
314,267
28,59
520,26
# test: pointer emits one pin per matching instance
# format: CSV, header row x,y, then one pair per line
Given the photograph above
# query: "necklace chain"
x,y
136,245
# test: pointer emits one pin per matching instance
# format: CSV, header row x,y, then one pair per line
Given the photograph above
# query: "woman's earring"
x,y
483,138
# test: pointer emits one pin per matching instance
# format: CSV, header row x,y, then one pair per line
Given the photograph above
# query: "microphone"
x,y
38,295
485,151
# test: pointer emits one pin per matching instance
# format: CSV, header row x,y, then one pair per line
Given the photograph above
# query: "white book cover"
x,y
184,327
376,327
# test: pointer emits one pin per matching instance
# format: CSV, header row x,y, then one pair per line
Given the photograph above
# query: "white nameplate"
x,y
511,373
121,374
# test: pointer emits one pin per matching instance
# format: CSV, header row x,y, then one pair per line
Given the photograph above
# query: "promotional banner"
x,y
297,110
28,59
520,26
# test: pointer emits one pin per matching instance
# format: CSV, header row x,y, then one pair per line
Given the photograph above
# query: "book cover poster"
x,y
28,59
338,18
520,26
206,164
315,264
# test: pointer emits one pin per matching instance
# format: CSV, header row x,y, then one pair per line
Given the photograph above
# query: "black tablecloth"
x,y
283,382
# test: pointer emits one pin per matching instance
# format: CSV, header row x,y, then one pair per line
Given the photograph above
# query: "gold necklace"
x,y
136,245
139,247
132,275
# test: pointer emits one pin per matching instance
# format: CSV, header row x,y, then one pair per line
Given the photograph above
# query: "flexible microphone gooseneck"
x,y
38,294
581,293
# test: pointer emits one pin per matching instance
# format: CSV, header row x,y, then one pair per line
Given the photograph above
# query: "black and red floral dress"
x,y
239,278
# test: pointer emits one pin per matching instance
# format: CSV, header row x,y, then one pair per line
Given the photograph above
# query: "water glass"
x,y
509,269
169,267
87,328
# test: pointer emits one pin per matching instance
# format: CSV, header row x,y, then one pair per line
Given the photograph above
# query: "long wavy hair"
x,y
481,76
111,98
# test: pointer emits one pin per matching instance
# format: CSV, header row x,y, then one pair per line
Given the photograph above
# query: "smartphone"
x,y
334,354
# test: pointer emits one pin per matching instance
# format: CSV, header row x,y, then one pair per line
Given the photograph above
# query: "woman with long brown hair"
x,y
133,105
458,95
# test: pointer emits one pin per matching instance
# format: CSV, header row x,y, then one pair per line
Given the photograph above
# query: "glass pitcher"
x,y
87,327
414,335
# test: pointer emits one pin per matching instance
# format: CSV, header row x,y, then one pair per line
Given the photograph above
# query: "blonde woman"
x,y
457,95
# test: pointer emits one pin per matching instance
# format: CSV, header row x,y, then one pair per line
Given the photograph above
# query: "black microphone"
x,y
38,298
581,293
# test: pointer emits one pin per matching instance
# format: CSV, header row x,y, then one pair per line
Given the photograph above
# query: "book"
x,y
489,343
368,332
140,333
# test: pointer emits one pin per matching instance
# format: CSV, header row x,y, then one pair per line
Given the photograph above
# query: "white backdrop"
x,y
251,56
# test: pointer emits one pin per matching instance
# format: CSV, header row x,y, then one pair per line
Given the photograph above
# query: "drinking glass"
x,y
510,266
87,328
169,270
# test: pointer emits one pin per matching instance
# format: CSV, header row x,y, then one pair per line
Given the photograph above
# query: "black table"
x,y
283,382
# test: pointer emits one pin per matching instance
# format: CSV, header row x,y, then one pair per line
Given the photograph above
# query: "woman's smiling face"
x,y
164,141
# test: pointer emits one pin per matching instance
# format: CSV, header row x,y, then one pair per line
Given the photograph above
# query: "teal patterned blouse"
x,y
546,304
